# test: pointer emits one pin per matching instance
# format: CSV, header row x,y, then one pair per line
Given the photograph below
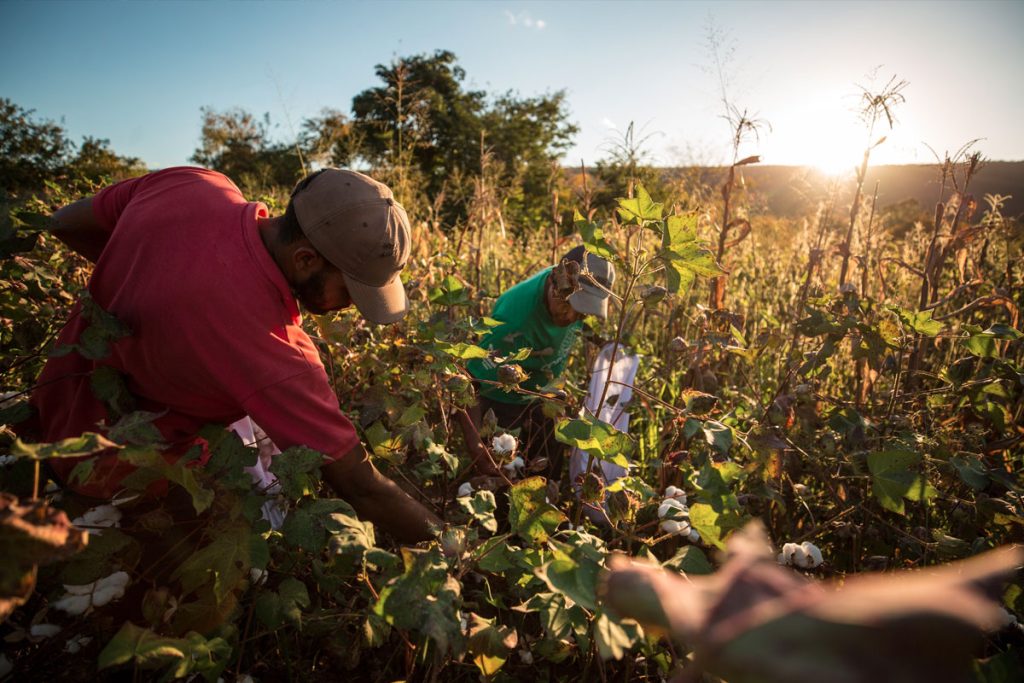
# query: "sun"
x,y
829,140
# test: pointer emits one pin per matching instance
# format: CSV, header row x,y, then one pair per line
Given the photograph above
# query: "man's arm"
x,y
76,226
378,499
469,420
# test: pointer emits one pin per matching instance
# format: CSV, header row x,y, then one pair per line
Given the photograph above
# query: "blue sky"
x,y
137,73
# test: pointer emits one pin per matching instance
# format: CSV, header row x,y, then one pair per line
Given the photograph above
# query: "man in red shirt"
x,y
207,283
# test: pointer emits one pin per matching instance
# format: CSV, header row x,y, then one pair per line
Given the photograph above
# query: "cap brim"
x,y
380,305
589,300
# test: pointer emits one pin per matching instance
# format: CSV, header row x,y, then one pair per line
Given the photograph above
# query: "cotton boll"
x,y
813,554
676,527
788,551
74,645
515,467
801,558
694,536
799,489
504,444
6,460
258,577
526,656
100,516
466,489
672,508
44,630
74,605
676,493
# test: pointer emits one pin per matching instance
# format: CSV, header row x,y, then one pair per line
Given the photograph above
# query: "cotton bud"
x,y
676,527
466,489
504,444
676,493
101,516
672,508
44,630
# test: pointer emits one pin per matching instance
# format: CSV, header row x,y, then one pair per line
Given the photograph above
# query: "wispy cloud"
x,y
525,20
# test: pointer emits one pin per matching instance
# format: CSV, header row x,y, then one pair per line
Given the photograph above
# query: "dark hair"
x,y
290,230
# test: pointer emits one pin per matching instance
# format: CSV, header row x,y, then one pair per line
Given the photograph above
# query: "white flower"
x,y
80,599
515,467
466,489
673,509
74,645
44,630
101,516
504,444
676,527
676,493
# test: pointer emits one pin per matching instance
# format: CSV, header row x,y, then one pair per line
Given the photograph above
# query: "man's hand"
x,y
378,499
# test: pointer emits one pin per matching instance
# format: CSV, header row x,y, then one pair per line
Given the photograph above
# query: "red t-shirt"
x,y
215,331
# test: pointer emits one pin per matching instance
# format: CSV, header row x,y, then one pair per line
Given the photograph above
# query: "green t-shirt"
x,y
526,323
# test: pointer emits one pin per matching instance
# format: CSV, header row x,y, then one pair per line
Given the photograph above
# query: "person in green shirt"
x,y
544,314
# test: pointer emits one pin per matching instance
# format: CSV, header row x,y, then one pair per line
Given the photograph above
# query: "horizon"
x,y
117,71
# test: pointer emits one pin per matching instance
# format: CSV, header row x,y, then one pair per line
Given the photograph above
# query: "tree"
x,y
95,161
30,151
237,144
421,127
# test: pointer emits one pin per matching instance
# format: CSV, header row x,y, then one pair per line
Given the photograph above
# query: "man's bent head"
x,y
359,228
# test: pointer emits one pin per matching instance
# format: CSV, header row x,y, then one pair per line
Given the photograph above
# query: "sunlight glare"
x,y
831,140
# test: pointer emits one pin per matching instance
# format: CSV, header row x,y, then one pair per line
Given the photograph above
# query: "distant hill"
x,y
795,190
792,190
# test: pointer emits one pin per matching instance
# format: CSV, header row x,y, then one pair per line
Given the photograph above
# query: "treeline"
x,y
452,154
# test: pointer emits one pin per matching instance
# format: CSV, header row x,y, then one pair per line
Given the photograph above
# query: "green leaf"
x,y
298,470
425,599
971,470
16,412
893,480
689,560
137,429
481,507
718,436
714,525
460,350
489,645
224,562
919,321
451,293
384,444
556,617
310,523
593,236
641,209
530,515
103,329
683,255
494,555
146,648
595,437
615,636
153,461
109,386
75,447
573,571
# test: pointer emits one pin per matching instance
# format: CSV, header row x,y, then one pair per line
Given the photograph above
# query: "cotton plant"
x,y
465,490
92,520
805,555
505,446
82,598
